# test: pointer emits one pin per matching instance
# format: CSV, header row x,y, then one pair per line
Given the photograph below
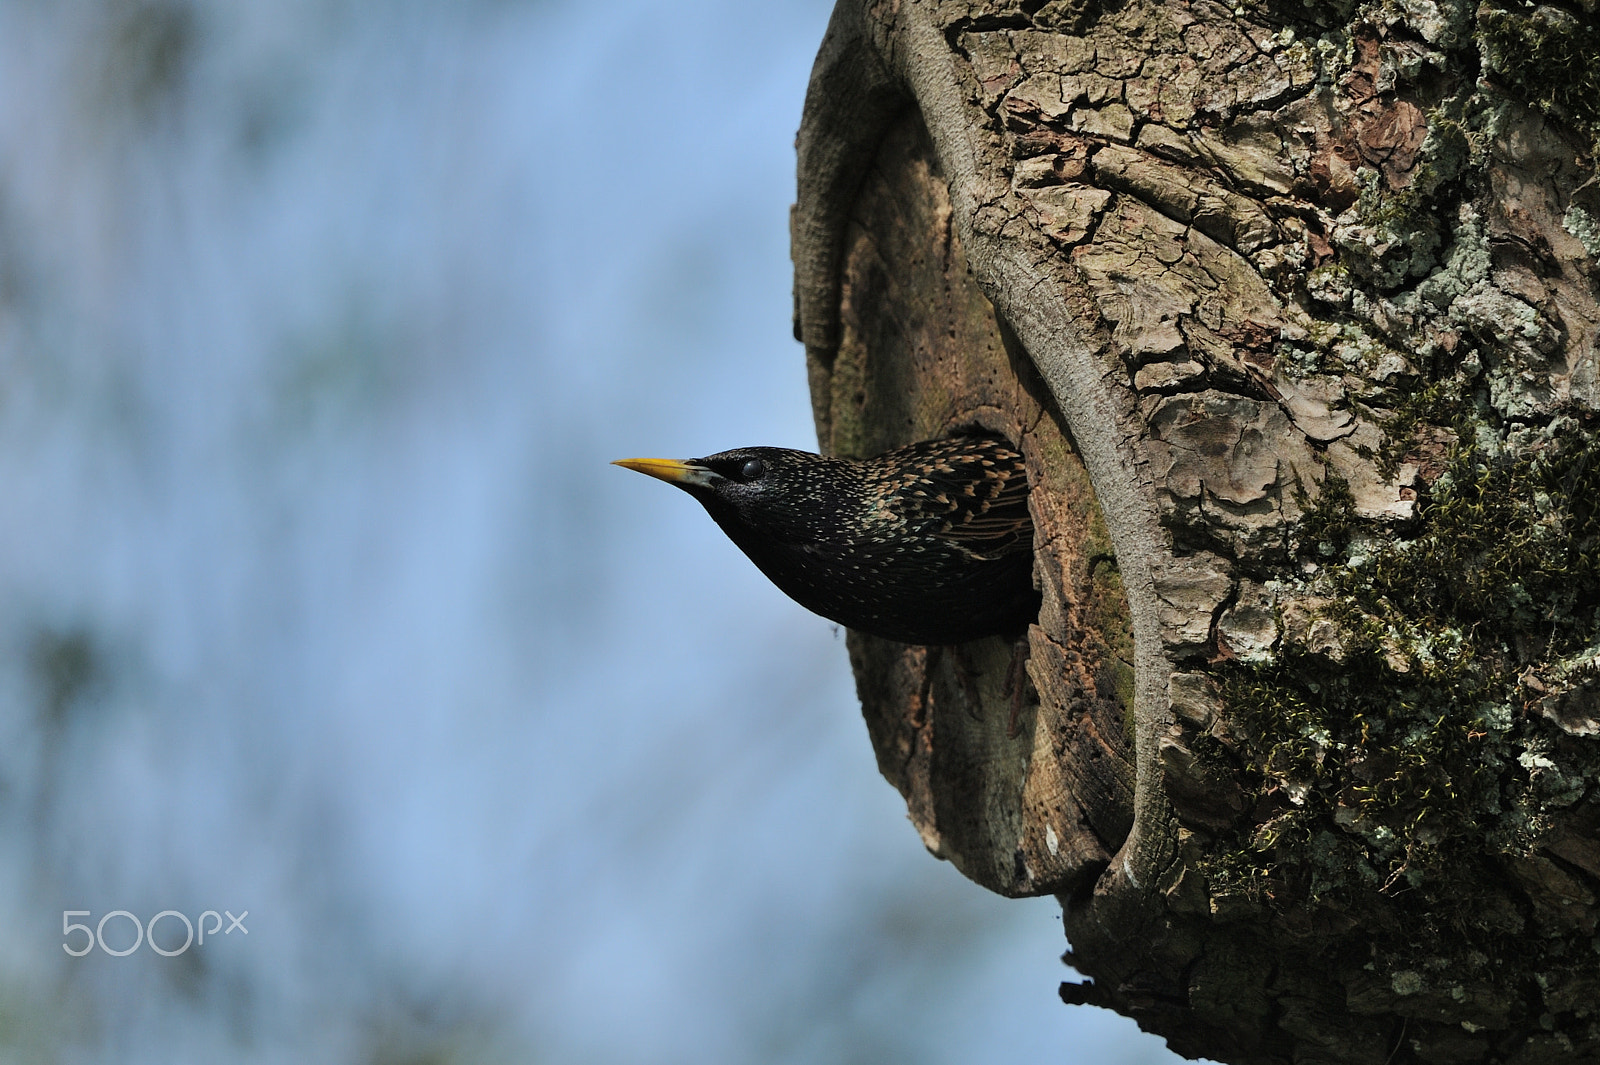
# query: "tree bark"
x,y
1294,313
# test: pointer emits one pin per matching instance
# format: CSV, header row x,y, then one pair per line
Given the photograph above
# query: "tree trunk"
x,y
1294,311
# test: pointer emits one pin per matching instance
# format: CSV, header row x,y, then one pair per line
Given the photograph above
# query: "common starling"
x,y
928,544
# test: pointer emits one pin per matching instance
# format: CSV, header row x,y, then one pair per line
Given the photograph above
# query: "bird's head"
x,y
774,490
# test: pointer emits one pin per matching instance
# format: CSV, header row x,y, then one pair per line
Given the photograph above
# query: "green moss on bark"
x,y
1404,760
1550,56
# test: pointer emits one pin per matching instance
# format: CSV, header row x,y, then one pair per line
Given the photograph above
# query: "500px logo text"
x,y
143,932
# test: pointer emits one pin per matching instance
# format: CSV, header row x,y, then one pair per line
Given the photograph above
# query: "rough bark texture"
x,y
1294,313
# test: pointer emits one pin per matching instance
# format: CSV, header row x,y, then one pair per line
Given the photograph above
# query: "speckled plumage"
x,y
930,543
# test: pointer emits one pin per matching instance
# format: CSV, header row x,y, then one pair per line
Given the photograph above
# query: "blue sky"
x,y
319,323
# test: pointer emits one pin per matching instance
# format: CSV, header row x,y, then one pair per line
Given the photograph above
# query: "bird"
x,y
931,543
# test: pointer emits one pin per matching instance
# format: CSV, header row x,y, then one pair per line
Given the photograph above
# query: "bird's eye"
x,y
752,469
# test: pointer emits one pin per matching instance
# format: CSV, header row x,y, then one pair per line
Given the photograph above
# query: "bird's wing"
x,y
973,497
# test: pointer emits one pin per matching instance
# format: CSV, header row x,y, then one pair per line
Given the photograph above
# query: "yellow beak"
x,y
670,470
